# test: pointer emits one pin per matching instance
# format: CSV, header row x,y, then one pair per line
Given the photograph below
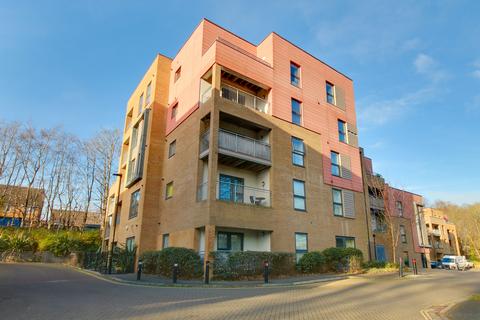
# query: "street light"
x,y
114,223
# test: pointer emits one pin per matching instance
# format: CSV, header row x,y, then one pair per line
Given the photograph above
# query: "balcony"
x,y
236,193
244,98
238,151
377,203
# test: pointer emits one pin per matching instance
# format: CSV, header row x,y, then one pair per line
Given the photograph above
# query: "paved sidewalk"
x,y
469,309
155,280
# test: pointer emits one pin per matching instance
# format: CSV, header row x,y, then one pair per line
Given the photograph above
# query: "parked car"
x,y
436,264
454,262
470,265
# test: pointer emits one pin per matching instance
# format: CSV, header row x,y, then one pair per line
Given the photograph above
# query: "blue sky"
x,y
415,65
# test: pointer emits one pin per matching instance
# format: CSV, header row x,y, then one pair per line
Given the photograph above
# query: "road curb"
x,y
432,313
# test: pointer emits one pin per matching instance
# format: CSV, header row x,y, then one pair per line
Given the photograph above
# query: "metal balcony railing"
x,y
243,145
237,143
244,98
377,203
238,193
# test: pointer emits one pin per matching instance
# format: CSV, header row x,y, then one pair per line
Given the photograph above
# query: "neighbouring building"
x,y
19,204
73,219
396,227
442,234
232,146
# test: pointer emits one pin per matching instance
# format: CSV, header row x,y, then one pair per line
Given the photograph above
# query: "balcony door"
x,y
231,188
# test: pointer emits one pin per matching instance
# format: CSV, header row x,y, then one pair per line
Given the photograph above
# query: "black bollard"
x,y
139,270
207,272
175,272
265,271
400,268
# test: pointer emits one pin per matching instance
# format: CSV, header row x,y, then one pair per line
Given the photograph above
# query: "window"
x,y
301,245
337,202
171,148
229,241
178,73
295,74
296,112
169,190
345,242
335,163
378,220
140,104
342,131
298,151
130,244
299,195
174,111
403,234
149,94
134,200
330,93
399,206
165,240
231,188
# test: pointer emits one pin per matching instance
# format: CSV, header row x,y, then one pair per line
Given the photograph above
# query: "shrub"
x,y
18,242
88,241
124,259
58,244
312,262
250,264
189,262
150,261
374,264
3,244
343,259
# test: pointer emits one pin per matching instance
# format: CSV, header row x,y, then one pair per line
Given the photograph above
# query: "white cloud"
x,y
427,66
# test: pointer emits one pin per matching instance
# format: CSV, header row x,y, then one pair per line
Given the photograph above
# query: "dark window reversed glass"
x,y
342,131
337,198
231,188
295,74
301,245
134,200
296,112
298,152
335,163
299,198
229,241
330,88
345,242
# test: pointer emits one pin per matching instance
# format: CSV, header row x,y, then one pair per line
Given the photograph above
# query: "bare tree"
x,y
88,175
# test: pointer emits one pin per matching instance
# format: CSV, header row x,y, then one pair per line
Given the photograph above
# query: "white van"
x,y
454,262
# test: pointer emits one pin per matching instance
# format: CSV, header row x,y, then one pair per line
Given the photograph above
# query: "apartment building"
x,y
19,204
396,223
442,234
233,146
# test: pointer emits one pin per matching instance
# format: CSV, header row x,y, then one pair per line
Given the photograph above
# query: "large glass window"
x,y
337,202
403,234
295,74
342,131
231,188
172,148
345,242
330,88
229,241
335,163
149,94
296,112
298,151
134,200
130,244
299,198
301,245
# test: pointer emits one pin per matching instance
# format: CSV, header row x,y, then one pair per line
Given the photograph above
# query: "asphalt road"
x,y
39,291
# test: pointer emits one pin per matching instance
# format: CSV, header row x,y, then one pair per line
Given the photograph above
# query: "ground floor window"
x,y
380,254
165,240
229,241
345,242
130,244
301,245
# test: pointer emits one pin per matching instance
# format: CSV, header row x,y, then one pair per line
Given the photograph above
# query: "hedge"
x,y
312,262
343,259
161,262
250,264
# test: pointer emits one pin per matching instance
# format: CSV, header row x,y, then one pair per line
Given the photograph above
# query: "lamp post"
x,y
114,223
374,247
